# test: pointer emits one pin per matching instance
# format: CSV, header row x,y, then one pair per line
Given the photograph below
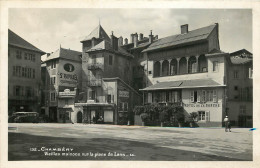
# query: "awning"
x,y
196,83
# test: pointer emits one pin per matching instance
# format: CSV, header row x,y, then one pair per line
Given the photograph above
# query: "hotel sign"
x,y
202,105
123,93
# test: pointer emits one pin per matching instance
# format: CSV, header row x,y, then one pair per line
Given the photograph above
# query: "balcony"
x,y
95,83
95,66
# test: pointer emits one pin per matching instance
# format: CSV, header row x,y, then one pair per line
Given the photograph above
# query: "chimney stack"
x,y
151,37
126,41
135,40
184,29
141,36
114,42
132,38
120,41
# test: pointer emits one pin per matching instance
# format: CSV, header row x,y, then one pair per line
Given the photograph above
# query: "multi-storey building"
x,y
61,72
24,71
106,79
240,88
190,69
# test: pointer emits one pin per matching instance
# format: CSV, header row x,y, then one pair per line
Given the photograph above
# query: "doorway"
x,y
79,117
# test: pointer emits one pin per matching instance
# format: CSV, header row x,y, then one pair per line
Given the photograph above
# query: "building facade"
x,y
190,69
62,77
24,71
106,80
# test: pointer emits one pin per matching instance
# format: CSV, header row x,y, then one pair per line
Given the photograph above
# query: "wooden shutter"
x,y
207,115
199,95
192,96
215,96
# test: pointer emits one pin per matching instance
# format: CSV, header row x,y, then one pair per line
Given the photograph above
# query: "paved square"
x,y
112,142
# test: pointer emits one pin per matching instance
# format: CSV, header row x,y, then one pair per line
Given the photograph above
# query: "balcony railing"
x,y
94,66
95,82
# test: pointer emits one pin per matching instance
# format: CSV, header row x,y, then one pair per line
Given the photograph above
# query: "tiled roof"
x,y
15,40
175,40
98,32
184,84
241,57
64,53
106,45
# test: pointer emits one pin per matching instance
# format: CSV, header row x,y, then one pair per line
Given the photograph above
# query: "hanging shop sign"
x,y
69,67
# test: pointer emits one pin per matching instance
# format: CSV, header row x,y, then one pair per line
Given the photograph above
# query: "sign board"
x,y
67,93
202,105
123,93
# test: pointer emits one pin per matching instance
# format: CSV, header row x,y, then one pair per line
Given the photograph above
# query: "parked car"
x,y
25,117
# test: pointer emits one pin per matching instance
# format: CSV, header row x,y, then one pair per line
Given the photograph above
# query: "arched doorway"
x,y
79,117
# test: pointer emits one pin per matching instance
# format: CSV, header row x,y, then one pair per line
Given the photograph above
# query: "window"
x,y
193,96
109,98
18,90
150,72
174,96
236,76
25,56
53,96
92,95
210,95
53,64
66,102
33,73
203,116
250,75
150,98
215,66
162,97
18,54
242,109
215,96
123,107
236,88
204,96
94,59
52,80
14,70
110,61
28,91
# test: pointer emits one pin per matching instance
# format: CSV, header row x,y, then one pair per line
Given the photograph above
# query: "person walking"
x,y
226,123
229,126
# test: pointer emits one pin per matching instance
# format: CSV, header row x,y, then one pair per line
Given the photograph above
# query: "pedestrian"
x,y
226,123
229,126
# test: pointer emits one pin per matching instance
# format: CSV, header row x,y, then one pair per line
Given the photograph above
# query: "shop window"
x,y
215,66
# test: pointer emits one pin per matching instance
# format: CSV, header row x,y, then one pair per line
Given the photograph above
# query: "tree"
x,y
192,118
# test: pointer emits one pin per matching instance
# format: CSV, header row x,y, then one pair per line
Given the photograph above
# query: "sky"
x,y
48,28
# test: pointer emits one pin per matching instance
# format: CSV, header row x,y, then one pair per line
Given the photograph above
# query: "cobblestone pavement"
x,y
111,142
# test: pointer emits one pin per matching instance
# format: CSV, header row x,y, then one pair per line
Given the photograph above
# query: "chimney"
x,y
132,38
135,40
151,37
184,29
126,41
141,36
120,41
114,42
156,37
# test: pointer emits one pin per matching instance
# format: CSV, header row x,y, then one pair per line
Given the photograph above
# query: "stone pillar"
x,y
197,63
178,68
187,59
161,67
169,60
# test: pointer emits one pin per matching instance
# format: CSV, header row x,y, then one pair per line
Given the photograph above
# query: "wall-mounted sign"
x,y
123,93
68,67
67,93
68,76
202,105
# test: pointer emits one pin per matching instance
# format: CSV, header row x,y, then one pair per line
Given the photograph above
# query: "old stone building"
x,y
61,75
24,71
